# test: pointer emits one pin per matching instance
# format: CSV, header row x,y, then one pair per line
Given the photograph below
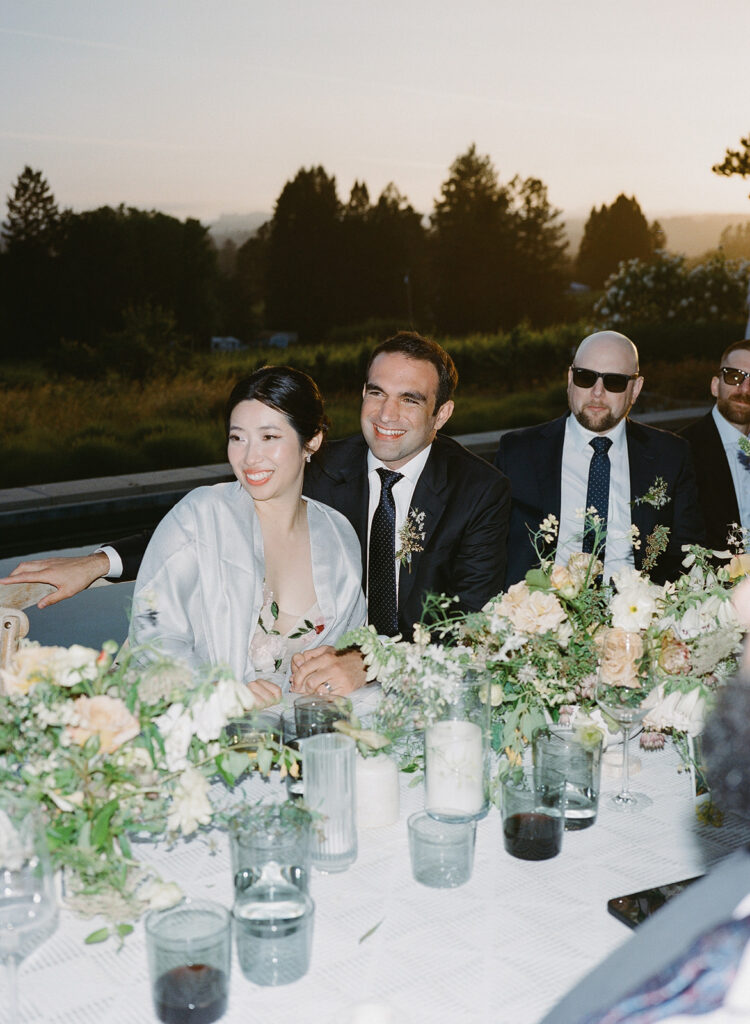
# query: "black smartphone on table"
x,y
637,906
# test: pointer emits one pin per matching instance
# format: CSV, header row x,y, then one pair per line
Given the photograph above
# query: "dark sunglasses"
x,y
614,382
734,377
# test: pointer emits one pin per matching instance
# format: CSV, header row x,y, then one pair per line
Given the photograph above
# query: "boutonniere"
x,y
656,495
410,537
744,443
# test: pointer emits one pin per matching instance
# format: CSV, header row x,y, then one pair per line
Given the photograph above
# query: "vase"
x,y
457,755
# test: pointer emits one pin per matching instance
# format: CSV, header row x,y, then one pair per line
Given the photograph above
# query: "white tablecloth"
x,y
502,948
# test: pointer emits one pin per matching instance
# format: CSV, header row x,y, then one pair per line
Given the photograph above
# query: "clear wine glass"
x,y
28,908
625,692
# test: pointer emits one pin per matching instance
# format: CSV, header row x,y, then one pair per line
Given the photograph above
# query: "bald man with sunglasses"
x,y
641,476
722,468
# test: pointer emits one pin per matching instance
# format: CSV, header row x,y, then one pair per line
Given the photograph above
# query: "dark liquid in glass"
x,y
191,995
532,836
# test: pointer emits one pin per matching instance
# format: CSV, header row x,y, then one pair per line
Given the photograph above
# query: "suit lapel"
x,y
548,460
643,471
351,491
430,497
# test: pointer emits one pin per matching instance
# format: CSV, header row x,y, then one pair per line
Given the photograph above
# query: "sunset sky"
x,y
200,108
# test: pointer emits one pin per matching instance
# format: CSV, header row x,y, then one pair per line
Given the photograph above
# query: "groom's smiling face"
x,y
398,408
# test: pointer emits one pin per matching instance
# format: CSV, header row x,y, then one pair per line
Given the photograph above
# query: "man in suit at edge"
x,y
551,467
406,399
722,469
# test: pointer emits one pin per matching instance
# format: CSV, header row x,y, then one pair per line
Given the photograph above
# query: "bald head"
x,y
611,357
611,344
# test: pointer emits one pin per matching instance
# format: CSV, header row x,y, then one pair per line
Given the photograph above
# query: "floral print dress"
x,y
280,635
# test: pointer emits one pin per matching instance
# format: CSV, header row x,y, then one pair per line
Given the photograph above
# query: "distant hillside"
x,y
691,235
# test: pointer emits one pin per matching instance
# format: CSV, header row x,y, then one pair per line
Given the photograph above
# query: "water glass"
x,y
189,958
533,813
576,753
328,763
273,927
245,733
314,714
272,846
442,852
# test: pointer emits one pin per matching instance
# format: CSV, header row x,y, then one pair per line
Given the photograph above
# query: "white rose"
x,y
190,804
176,726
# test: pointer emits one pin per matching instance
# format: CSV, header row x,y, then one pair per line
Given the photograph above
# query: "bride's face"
x,y
264,451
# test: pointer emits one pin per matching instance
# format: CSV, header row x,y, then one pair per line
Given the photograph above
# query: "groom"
x,y
428,484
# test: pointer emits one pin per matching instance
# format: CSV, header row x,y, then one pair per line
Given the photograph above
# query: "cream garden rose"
x,y
533,612
621,651
105,717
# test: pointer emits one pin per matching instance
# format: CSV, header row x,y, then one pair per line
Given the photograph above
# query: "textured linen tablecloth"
x,y
503,948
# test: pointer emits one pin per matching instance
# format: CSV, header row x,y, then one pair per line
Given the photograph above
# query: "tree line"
x,y
118,286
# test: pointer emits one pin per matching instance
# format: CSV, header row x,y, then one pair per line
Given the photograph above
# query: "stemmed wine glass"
x,y
625,692
28,908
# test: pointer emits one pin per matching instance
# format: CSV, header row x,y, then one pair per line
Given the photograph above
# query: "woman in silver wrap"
x,y
246,574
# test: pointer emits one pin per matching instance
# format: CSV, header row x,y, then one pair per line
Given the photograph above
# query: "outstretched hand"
x,y
327,671
69,575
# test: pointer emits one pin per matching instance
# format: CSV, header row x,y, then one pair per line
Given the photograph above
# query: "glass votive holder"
x,y
245,733
272,846
577,754
533,813
189,959
442,852
328,763
273,929
314,714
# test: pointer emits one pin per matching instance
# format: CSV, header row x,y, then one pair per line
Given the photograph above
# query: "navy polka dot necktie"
x,y
597,494
382,607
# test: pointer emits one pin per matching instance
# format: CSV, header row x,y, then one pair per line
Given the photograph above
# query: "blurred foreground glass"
x,y
273,846
533,813
442,852
243,733
273,927
577,754
314,714
28,908
626,691
328,763
189,959
457,756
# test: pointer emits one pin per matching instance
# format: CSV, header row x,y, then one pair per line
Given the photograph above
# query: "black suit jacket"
x,y
466,502
532,460
467,507
715,485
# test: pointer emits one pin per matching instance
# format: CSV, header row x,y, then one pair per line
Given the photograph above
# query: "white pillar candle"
x,y
454,768
377,791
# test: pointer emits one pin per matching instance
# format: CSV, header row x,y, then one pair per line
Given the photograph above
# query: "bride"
x,y
248,573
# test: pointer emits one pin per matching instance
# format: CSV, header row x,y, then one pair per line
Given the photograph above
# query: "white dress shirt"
x,y
402,491
576,458
739,463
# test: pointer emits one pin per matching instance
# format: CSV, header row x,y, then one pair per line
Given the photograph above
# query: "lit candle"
x,y
454,768
377,791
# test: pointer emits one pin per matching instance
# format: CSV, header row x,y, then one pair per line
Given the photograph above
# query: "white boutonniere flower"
x,y
656,495
410,537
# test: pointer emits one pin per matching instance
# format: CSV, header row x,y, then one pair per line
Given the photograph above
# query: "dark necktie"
x,y
382,608
597,493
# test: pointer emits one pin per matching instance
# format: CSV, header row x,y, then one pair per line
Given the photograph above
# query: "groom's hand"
x,y
325,670
69,575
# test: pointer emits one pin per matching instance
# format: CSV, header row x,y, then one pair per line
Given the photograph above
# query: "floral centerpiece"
x,y
537,646
113,751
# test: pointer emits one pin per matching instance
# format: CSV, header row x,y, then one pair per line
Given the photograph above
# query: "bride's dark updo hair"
x,y
287,390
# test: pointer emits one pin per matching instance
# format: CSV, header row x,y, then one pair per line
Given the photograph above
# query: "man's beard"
x,y
600,425
736,410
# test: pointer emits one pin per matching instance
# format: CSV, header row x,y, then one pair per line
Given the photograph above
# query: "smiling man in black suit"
x,y
640,476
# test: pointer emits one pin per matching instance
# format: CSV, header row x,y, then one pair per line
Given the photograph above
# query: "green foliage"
x,y
613,234
33,216
663,289
736,161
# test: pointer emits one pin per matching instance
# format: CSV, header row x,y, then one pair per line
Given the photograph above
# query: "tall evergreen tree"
x,y
33,215
736,161
304,255
613,234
